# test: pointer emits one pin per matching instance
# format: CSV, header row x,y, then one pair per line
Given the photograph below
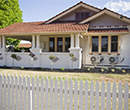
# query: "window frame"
x,y
109,45
55,42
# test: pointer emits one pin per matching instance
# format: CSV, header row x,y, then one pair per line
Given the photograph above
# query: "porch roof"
x,y
118,30
40,27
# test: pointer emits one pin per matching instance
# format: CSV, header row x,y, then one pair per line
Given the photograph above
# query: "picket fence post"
x,y
14,91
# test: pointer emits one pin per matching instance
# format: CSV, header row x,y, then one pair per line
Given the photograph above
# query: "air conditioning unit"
x,y
96,59
114,59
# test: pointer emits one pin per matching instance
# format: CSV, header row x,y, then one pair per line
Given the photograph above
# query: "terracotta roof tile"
x,y
35,27
24,45
108,30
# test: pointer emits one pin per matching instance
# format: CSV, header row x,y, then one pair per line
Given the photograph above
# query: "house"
x,y
96,37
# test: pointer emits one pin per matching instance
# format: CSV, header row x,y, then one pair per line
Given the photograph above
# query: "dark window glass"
x,y
67,44
52,44
94,43
114,43
104,43
81,15
59,44
77,16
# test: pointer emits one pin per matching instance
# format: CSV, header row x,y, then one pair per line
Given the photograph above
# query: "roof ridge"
x,y
33,22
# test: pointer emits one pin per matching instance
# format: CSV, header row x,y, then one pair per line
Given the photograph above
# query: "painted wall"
x,y
44,43
106,20
71,16
64,60
124,52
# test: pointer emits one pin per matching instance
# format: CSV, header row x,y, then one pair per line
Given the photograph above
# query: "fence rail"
x,y
17,93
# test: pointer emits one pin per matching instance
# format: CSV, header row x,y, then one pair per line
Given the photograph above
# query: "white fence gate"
x,y
24,94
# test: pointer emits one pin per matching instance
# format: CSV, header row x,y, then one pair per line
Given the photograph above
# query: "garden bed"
x,y
84,69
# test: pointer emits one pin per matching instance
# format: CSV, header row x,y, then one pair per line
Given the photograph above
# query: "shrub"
x,y
91,67
62,69
123,71
113,70
22,67
42,68
118,68
105,68
4,66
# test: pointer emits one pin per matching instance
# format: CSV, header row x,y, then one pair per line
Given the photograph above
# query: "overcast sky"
x,y
41,10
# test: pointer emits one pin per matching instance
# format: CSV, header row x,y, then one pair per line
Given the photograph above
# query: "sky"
x,y
42,10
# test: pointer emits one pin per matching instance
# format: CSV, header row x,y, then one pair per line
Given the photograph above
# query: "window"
x,y
59,44
67,44
104,44
114,43
52,44
81,15
94,43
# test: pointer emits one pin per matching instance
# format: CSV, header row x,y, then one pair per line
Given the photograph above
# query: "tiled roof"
x,y
108,30
24,45
39,27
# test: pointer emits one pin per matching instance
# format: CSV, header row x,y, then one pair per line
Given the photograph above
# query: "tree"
x,y
10,13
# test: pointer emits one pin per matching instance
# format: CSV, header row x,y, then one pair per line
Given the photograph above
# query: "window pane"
x,y
104,43
114,43
52,44
77,16
82,15
59,44
94,43
67,44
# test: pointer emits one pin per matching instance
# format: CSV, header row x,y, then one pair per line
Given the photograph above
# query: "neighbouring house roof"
x,y
24,45
111,30
40,27
71,9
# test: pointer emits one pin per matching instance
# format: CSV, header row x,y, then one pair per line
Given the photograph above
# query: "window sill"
x,y
104,53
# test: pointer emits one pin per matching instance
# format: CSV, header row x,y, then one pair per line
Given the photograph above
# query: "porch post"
x,y
33,41
72,41
3,38
0,42
37,36
77,41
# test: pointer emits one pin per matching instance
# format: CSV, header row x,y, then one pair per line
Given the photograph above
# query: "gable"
x,y
72,15
107,20
71,9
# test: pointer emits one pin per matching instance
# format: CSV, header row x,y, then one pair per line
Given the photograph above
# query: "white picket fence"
x,y
17,93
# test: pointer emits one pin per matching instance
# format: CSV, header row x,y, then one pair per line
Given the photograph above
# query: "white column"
x,y
72,41
0,42
33,41
3,40
77,41
38,41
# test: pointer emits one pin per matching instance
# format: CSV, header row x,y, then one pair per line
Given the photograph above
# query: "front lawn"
x,y
70,75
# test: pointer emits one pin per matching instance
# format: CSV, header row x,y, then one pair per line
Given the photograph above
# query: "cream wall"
x,y
44,41
124,52
106,20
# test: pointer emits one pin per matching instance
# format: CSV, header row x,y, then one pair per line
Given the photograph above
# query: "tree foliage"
x,y
10,13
